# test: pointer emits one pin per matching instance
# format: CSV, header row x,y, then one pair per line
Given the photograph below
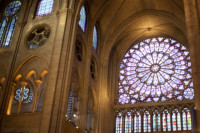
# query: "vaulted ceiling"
x,y
123,22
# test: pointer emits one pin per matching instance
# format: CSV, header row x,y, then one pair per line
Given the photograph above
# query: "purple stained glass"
x,y
155,70
82,20
45,7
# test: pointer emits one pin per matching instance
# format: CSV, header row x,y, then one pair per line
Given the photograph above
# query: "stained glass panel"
x,y
10,31
184,120
164,122
155,70
189,120
119,123
2,28
137,123
179,121
128,124
95,38
7,25
168,122
45,7
82,20
12,8
156,121
174,121
27,95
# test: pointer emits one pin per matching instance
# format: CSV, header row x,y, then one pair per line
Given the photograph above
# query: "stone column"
x,y
13,86
105,108
24,84
193,35
38,82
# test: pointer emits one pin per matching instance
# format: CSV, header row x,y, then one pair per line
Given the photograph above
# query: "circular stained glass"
x,y
12,8
156,69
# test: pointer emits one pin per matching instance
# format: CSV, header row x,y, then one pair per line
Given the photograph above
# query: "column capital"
x,y
23,83
38,81
64,11
13,84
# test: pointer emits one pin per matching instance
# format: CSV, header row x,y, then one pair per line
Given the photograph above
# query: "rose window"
x,y
156,69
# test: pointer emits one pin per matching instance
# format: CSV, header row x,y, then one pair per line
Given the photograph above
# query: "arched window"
x,y
82,21
7,25
44,8
137,122
155,70
70,105
147,122
156,121
176,120
118,123
128,121
95,38
166,120
186,116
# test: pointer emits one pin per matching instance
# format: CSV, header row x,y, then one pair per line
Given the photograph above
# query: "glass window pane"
x,y
82,20
179,121
2,28
10,31
45,7
128,124
95,38
119,123
174,121
153,70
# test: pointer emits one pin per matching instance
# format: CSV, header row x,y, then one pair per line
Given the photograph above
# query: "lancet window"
x,y
83,17
7,25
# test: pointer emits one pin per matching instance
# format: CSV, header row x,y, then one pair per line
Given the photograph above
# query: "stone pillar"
x,y
105,107
13,86
38,82
193,35
24,84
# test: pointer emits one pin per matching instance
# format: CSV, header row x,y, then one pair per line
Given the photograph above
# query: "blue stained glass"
x,y
2,28
10,31
7,25
12,8
82,20
95,38
45,7
27,95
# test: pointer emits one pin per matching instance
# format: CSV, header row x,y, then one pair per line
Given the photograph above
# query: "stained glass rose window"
x,y
156,69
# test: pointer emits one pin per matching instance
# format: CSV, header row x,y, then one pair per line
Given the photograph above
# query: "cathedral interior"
x,y
99,66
